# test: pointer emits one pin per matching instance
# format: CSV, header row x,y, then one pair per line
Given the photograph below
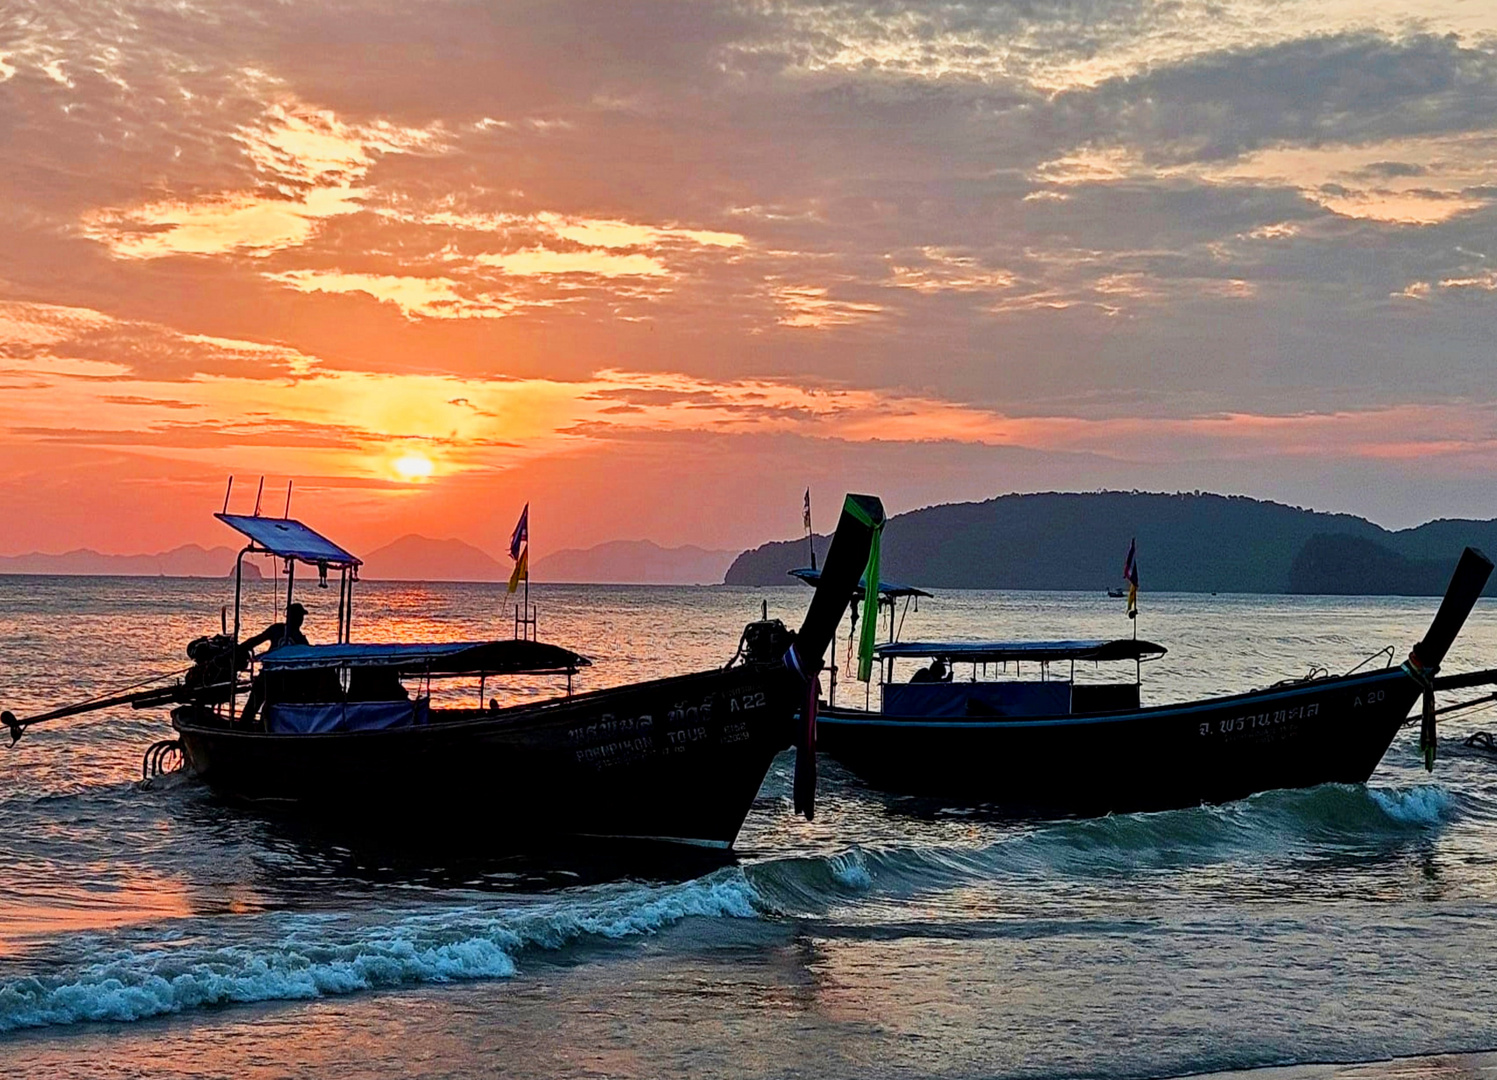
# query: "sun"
x,y
413,467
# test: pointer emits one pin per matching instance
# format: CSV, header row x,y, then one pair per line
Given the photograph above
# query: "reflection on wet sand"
x,y
36,916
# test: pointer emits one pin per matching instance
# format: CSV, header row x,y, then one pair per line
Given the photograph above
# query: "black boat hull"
x,y
677,760
1212,751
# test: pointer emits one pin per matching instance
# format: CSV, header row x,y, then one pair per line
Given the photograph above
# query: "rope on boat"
x,y
118,690
1315,672
1474,703
1480,704
1425,677
1386,650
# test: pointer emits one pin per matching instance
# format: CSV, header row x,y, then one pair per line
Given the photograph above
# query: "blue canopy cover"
x,y
503,657
887,589
986,652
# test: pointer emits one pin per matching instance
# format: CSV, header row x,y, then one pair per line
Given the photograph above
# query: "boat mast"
x,y
238,593
811,536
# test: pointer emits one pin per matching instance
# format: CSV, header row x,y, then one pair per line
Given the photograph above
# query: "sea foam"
x,y
315,956
850,870
1422,805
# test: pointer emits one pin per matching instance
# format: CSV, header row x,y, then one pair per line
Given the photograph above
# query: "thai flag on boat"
x,y
521,535
521,572
1130,575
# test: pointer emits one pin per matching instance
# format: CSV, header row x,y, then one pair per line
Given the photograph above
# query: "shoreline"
x,y
1460,1063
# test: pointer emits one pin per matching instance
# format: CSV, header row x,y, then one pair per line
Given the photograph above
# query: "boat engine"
x,y
212,661
765,641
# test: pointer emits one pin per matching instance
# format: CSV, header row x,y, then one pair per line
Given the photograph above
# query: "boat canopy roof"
x,y
987,652
887,589
503,657
290,539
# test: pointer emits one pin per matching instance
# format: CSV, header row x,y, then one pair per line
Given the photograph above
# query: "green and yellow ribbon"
x,y
870,589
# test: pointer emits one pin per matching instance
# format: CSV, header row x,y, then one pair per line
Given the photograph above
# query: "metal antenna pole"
x,y
1138,664
227,492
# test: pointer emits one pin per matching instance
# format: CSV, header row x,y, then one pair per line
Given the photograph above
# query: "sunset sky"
x,y
658,267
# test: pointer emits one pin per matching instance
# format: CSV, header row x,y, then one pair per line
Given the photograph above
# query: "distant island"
x,y
635,562
1195,542
412,558
1192,542
420,558
189,560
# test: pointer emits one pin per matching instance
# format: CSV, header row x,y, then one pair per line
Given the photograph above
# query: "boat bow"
x,y
853,543
1423,664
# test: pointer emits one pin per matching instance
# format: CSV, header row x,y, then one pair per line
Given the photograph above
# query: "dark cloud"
x,y
163,403
210,434
1385,170
1347,88
645,396
146,351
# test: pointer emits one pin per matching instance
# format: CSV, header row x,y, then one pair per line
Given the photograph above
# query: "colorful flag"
x,y
810,538
521,535
1130,575
522,570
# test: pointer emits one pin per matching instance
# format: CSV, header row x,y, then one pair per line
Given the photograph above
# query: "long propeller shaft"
x,y
139,699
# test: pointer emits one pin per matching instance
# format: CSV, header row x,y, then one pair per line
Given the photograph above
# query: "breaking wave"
x,y
1423,805
151,971
315,955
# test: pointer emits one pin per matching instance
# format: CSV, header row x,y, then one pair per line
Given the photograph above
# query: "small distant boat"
x,y
1053,746
350,731
1117,594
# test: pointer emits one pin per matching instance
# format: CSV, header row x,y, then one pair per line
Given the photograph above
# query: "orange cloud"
x,y
429,297
336,421
542,262
312,163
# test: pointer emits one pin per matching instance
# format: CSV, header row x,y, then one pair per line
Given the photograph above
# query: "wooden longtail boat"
x,y
1059,748
334,732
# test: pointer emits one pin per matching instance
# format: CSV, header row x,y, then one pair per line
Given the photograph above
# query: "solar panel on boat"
x,y
289,539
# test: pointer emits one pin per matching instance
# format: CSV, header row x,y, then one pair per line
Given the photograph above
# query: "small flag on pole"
x,y
521,535
1130,575
810,538
521,572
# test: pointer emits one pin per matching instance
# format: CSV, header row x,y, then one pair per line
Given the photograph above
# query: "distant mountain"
x,y
1186,543
420,558
1351,566
635,562
189,560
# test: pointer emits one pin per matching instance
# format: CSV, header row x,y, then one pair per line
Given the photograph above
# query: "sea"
x,y
147,930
